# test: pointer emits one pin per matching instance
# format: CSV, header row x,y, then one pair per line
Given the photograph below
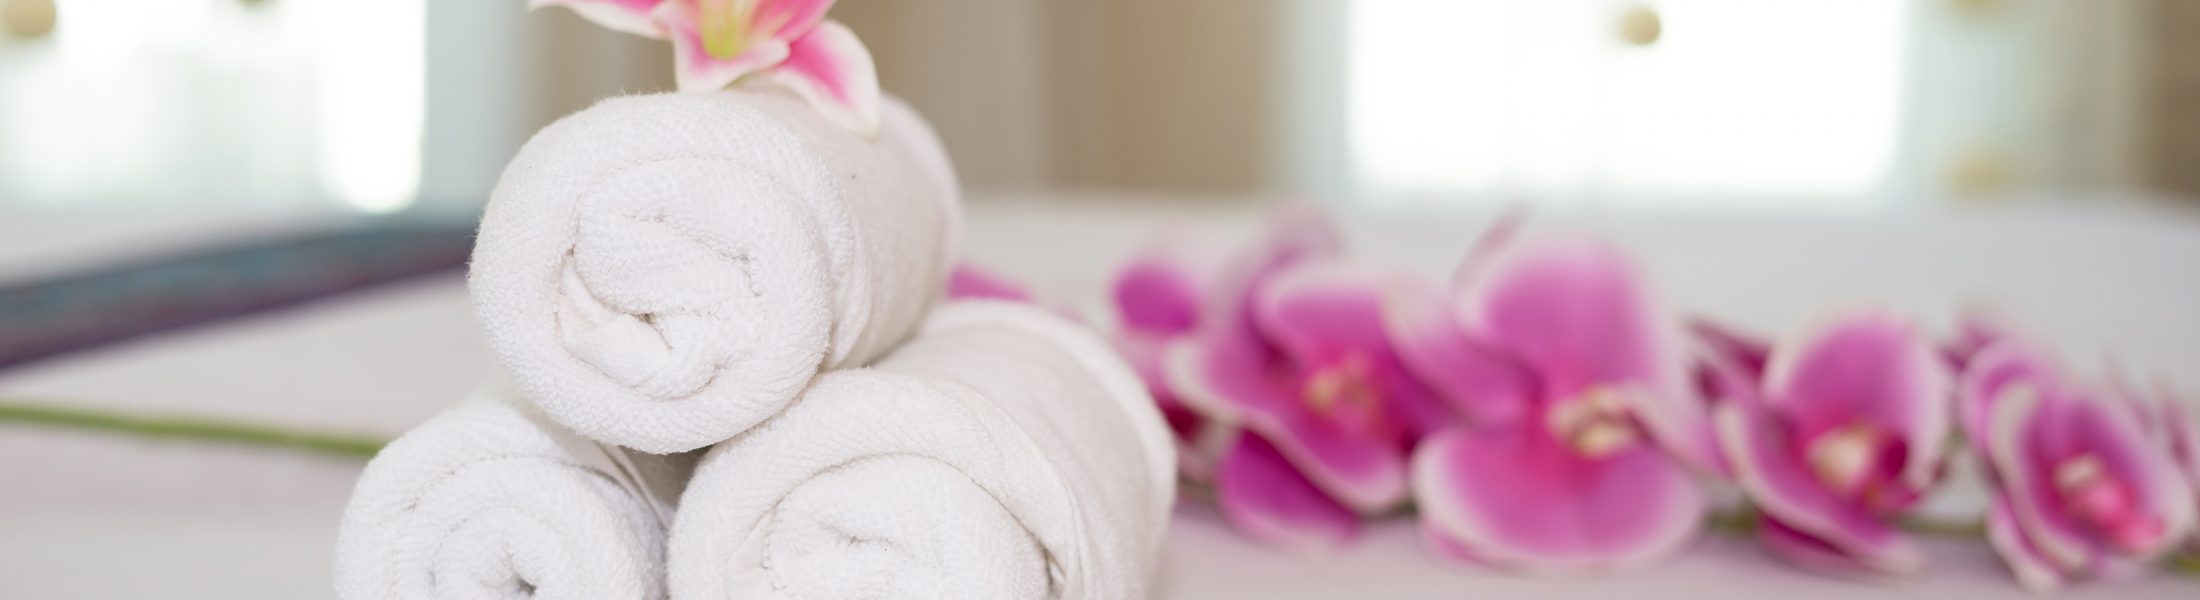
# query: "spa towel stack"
x,y
703,305
1004,453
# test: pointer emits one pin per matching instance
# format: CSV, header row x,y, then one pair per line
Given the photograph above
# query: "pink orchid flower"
x,y
1844,430
2181,436
1558,354
1171,289
1319,382
970,281
2081,487
786,42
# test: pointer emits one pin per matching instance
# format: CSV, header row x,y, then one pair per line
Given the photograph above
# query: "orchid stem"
x,y
192,428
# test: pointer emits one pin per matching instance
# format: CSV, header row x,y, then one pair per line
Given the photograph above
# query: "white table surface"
x,y
92,516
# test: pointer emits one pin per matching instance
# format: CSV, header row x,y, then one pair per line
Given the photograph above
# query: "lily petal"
x,y
1872,367
831,69
1755,446
694,69
785,19
1265,497
1490,389
1516,498
625,16
1323,311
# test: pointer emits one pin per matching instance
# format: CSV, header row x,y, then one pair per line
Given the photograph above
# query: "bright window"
x,y
1735,102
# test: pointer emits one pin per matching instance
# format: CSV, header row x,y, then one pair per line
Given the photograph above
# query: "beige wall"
x,y
1124,93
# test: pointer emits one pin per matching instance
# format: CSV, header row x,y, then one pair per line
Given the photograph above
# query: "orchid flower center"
x,y
1594,423
1847,459
1345,391
2104,503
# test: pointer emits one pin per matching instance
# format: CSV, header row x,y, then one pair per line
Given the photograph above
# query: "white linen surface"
x,y
93,516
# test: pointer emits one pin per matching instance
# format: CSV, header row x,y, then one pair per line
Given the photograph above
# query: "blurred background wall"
x,y
1748,104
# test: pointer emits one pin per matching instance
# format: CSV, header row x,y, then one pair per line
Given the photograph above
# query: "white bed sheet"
x,y
87,515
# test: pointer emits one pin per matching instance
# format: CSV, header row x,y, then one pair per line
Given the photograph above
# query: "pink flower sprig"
x,y
1559,353
788,43
2087,482
1542,417
1840,432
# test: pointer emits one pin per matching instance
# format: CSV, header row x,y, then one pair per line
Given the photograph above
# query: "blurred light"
x,y
216,101
371,81
1738,100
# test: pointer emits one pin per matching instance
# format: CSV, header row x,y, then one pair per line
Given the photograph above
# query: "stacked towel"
x,y
490,501
662,272
1003,453
657,274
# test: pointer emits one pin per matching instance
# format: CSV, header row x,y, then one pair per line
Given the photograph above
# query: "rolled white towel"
x,y
489,501
1002,453
661,272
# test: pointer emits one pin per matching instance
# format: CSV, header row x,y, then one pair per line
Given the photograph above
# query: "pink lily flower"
x,y
1557,352
1844,431
785,42
2082,488
1169,291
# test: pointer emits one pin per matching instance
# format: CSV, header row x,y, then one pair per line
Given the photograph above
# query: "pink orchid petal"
x,y
1366,474
1330,310
1484,386
694,69
1809,552
1756,449
1227,377
2032,570
2069,426
2009,425
1870,367
1444,547
832,70
972,281
1744,351
1976,329
1265,497
1988,373
1501,233
1234,384
1196,435
1321,307
2182,435
1515,497
1160,289
625,16
1294,233
1575,311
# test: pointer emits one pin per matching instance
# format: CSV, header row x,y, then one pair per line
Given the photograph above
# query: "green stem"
x,y
191,428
